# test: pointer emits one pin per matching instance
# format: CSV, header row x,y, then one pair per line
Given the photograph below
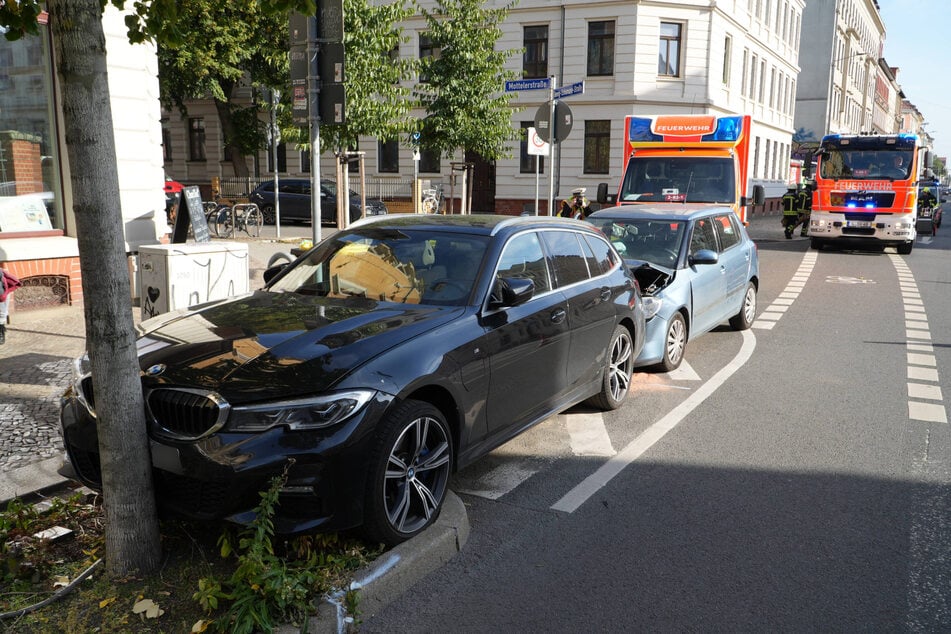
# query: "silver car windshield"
x,y
402,266
650,240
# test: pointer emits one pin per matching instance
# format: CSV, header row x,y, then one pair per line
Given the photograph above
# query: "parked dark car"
x,y
295,201
373,366
696,266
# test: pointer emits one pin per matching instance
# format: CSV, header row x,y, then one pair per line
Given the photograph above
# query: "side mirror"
x,y
602,193
759,195
704,256
511,291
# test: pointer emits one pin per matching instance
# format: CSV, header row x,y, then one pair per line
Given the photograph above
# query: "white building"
x,y
842,42
647,57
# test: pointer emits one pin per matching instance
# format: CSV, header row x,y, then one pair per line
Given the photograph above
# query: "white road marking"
x,y
922,374
930,392
600,478
499,481
922,359
764,325
589,437
684,373
928,412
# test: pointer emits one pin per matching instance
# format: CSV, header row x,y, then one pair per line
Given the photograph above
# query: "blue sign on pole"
x,y
528,84
576,88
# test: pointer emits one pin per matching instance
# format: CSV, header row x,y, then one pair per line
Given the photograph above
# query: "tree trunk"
x,y
238,162
132,531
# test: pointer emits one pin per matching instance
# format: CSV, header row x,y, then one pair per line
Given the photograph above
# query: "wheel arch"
x,y
440,398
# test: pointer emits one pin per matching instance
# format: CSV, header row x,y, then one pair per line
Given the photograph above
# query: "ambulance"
x,y
686,160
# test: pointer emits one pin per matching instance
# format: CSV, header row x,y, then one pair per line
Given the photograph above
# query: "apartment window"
x,y
753,67
746,69
526,161
762,80
196,139
600,48
427,52
727,54
772,87
166,144
429,161
535,58
281,157
305,161
388,157
668,59
597,146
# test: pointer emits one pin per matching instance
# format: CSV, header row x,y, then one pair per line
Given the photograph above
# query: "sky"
x,y
917,42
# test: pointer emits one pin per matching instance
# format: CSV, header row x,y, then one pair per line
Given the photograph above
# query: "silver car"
x,y
696,267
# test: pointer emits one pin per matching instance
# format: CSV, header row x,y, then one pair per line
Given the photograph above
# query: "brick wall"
x,y
68,267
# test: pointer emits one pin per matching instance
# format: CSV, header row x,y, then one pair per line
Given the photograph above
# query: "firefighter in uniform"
x,y
577,206
790,211
805,208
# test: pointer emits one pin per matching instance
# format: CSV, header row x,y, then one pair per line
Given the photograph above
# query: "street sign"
x,y
576,88
528,84
563,122
536,146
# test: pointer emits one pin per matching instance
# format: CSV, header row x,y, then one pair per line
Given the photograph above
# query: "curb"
x,y
383,581
30,479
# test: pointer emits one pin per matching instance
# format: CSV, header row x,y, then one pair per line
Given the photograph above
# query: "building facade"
x,y
647,57
842,43
37,224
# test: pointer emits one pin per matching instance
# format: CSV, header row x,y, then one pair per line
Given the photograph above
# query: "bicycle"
x,y
243,217
432,200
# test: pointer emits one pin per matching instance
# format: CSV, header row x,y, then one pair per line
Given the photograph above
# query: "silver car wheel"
x,y
676,340
417,472
622,365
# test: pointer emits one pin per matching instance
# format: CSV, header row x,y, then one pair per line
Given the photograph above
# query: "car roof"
x,y
650,212
484,224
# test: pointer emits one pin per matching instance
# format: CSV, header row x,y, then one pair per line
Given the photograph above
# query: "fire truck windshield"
x,y
679,179
892,164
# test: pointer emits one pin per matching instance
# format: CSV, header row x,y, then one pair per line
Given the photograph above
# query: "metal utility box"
x,y
173,276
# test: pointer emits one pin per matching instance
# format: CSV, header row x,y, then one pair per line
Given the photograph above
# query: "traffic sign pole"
x,y
551,146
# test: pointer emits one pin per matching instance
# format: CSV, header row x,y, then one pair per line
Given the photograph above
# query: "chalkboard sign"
x,y
191,202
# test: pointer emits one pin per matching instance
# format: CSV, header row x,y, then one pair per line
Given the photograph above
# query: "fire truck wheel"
x,y
905,248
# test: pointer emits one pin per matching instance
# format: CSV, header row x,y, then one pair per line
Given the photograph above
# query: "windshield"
x,y
651,240
403,266
679,179
893,164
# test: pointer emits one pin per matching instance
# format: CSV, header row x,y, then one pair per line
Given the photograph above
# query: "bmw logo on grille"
x,y
156,369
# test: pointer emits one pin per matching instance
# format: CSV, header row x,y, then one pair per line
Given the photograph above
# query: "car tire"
x,y
816,244
743,320
675,343
268,214
905,248
410,466
616,378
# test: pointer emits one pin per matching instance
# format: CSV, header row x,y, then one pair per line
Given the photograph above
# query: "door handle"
x,y
558,315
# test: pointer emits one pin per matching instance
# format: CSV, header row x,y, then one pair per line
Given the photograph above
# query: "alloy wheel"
x,y
417,473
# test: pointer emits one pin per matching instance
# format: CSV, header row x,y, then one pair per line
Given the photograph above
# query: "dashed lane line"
x,y
922,367
767,319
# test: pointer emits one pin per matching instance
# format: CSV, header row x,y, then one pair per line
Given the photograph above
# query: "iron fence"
x,y
378,187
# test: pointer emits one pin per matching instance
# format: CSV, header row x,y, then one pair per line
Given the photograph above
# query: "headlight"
x,y
652,306
307,413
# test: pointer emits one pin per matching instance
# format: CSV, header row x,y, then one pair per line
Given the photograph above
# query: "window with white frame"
x,y
668,57
727,55
600,48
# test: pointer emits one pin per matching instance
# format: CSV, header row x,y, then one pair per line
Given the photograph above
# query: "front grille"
x,y
197,498
186,414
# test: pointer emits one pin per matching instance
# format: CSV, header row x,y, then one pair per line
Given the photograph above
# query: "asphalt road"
x,y
791,478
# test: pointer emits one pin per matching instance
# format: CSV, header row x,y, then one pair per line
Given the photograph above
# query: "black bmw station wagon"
x,y
377,363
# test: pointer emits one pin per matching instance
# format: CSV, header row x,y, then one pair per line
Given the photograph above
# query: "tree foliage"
x,y
462,93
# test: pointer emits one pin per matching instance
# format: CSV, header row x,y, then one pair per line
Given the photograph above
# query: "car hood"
x,y
272,345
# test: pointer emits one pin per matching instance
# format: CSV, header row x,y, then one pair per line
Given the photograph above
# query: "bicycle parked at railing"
x,y
432,200
242,217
